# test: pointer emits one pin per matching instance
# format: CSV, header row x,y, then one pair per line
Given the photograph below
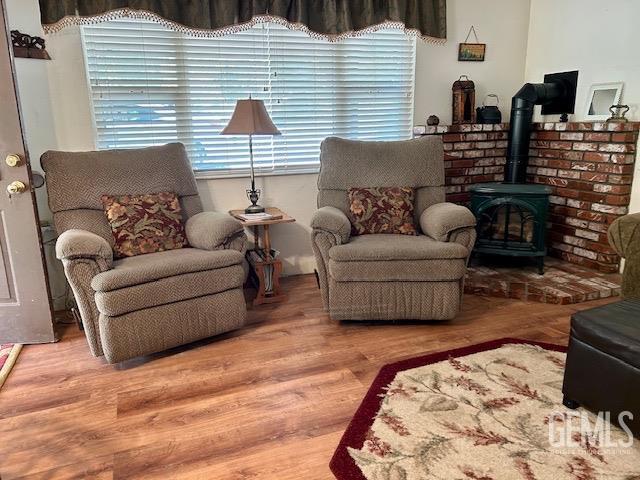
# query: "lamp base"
x,y
254,209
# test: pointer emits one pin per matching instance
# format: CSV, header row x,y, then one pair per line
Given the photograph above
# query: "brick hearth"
x,y
588,165
562,282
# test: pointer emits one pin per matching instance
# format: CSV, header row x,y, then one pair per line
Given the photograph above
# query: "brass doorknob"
x,y
13,160
16,187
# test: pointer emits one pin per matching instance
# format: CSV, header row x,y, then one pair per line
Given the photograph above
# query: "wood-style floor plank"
x,y
268,402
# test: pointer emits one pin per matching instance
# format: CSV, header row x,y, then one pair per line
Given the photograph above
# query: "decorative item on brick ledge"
x,y
433,120
489,113
618,113
463,101
601,97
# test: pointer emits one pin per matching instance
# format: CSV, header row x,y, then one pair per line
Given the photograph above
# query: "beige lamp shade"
x,y
250,117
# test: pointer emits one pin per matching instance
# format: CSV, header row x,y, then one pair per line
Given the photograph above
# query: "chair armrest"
x,y
624,235
332,220
80,244
439,221
213,230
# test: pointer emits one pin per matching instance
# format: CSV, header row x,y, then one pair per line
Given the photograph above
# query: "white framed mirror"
x,y
601,97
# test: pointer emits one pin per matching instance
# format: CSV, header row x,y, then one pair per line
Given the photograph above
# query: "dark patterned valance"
x,y
332,19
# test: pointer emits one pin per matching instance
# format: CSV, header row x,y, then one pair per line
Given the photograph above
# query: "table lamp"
x,y
250,117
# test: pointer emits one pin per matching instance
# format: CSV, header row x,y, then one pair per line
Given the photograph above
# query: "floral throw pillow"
x,y
382,210
144,223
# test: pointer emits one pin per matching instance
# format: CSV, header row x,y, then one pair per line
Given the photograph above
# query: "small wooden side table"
x,y
263,245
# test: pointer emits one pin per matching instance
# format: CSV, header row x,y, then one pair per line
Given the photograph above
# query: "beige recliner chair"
x,y
147,303
384,276
624,237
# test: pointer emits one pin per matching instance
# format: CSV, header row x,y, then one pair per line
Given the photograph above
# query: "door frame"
x,y
27,328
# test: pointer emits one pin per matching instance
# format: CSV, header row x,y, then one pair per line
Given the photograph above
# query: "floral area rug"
x,y
488,412
8,355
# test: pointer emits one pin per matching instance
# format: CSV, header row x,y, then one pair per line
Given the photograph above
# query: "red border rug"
x,y
342,465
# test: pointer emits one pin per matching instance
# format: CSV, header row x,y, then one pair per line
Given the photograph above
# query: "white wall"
x,y
596,37
67,123
502,25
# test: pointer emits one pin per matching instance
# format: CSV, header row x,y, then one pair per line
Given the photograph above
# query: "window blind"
x,y
151,85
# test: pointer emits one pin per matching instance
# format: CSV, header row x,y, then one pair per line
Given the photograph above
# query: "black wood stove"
x,y
511,219
512,216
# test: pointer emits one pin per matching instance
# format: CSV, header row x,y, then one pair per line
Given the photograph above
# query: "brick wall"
x,y
590,168
474,153
588,165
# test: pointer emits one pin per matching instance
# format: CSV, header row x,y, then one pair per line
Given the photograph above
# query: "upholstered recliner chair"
x,y
139,305
624,237
388,276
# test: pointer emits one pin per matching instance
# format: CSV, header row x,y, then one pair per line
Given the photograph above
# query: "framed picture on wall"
x,y
471,52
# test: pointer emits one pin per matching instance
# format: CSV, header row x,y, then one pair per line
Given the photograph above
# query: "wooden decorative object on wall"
x,y
464,101
26,46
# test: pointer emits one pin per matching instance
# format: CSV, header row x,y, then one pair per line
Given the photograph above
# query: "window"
x,y
151,85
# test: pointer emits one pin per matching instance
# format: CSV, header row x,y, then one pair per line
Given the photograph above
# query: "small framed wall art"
x,y
471,52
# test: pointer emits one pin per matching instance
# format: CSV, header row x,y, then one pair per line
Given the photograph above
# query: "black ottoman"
x,y
603,361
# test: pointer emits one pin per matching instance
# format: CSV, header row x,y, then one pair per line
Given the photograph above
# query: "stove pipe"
x,y
522,104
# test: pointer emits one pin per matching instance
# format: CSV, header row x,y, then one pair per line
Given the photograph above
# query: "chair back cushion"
x,y
417,163
76,182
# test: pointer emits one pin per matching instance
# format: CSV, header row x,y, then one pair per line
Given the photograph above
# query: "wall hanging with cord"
x,y
471,52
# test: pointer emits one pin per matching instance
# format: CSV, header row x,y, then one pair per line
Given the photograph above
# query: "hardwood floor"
x,y
268,402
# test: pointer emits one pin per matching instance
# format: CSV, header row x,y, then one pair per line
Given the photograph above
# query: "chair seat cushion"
x,y
396,247
387,258
155,266
169,290
613,329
